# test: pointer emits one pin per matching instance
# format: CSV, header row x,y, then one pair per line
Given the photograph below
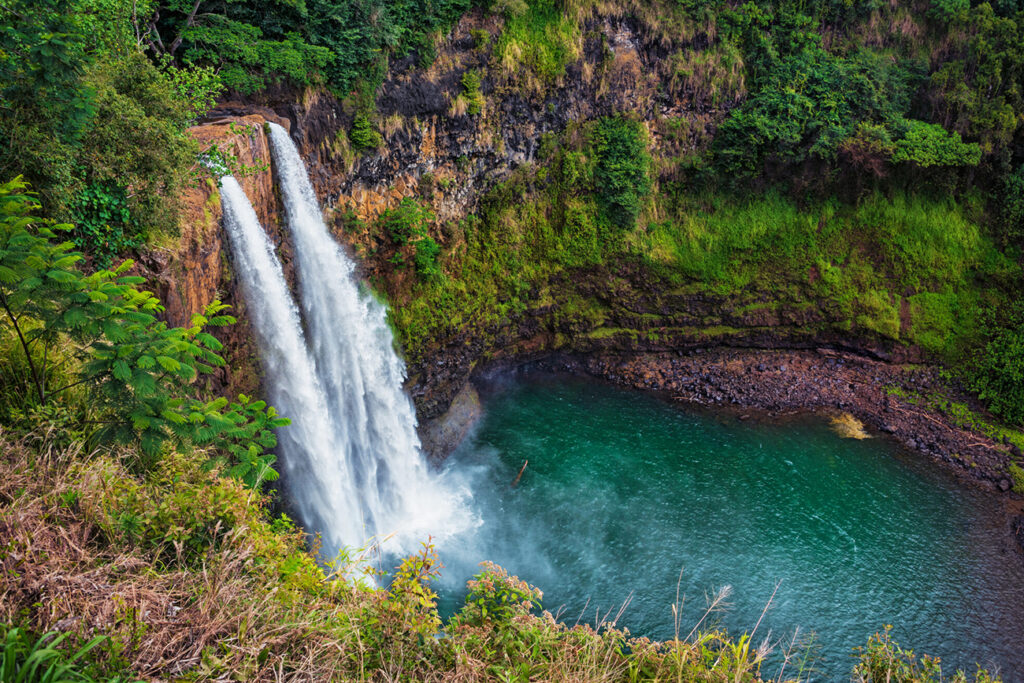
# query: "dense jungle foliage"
x,y
879,145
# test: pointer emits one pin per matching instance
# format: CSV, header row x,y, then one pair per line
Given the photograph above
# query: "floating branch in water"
x,y
520,475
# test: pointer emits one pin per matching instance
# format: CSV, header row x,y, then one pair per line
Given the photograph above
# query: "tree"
x,y
926,144
623,163
44,108
134,366
996,371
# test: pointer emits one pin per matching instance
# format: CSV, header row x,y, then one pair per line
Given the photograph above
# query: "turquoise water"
x,y
624,491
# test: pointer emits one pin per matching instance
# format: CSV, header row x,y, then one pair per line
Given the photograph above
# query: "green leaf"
x,y
168,364
121,370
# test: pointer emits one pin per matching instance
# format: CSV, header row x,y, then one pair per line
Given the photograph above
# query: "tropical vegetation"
x,y
862,153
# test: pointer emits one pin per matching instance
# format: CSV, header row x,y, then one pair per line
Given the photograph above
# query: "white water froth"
x,y
352,465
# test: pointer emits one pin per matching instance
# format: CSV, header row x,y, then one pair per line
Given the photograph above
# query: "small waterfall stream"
x,y
351,458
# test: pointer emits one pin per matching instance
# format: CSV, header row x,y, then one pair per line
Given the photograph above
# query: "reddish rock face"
x,y
188,276
196,270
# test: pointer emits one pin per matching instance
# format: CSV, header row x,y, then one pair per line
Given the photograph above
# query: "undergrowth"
x,y
182,573
538,42
904,267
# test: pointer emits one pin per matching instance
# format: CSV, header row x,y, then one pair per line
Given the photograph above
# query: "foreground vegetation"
x,y
184,574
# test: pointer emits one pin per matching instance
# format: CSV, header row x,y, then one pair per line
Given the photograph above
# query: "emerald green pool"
x,y
623,490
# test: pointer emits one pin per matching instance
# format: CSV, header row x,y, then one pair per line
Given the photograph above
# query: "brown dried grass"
x,y
59,572
231,615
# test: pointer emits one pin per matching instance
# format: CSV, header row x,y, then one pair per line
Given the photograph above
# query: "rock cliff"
x,y
435,151
196,269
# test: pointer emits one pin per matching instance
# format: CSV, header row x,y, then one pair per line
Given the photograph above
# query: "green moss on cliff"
x,y
909,268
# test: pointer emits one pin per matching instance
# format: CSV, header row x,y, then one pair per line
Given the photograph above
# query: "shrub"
x,y
427,251
1017,475
996,372
363,135
133,365
621,176
1012,201
408,220
495,598
471,91
481,38
409,223
884,660
948,10
869,148
926,144
105,226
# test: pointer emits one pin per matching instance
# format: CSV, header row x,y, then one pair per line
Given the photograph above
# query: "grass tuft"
x,y
849,427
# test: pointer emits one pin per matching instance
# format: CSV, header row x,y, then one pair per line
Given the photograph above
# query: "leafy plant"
x,y
408,221
363,135
471,91
133,365
409,597
495,597
28,659
621,176
427,251
884,660
104,226
1012,206
197,87
926,144
996,371
1017,475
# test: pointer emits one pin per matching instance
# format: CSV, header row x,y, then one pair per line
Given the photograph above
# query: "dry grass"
x,y
460,106
716,75
392,124
849,427
60,571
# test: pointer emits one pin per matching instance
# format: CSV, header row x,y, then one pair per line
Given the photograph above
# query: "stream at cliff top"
x,y
624,489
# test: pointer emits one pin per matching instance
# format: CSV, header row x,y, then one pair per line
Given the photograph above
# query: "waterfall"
x,y
351,458
293,386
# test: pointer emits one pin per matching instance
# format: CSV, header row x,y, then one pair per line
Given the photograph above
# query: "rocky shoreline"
x,y
824,380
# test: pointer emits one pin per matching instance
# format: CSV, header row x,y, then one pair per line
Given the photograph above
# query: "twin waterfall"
x,y
351,460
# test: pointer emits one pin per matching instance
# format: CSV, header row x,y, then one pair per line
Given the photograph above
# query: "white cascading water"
x,y
293,386
353,467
